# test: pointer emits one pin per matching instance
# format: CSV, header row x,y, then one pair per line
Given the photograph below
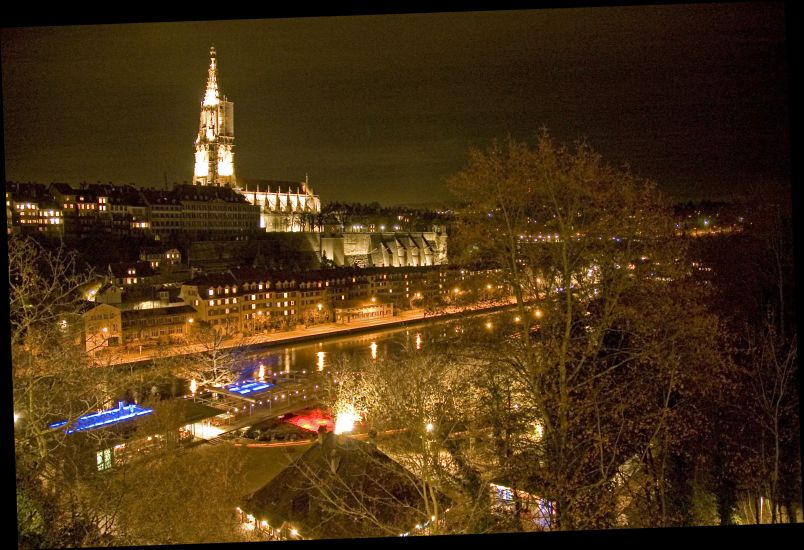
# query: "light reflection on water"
x,y
382,344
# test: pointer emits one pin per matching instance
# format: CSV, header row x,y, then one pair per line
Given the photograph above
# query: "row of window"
x,y
258,315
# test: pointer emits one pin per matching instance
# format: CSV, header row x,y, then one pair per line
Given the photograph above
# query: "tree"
x,y
612,330
754,449
179,498
424,404
207,359
53,380
766,375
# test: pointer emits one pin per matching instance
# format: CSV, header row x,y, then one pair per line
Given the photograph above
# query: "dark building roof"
x,y
207,193
63,188
354,473
158,249
28,191
159,196
213,280
120,269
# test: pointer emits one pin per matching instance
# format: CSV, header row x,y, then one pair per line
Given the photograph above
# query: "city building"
x,y
30,208
295,209
160,255
385,249
137,304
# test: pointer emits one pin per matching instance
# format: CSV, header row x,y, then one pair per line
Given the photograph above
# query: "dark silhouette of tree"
x,y
612,328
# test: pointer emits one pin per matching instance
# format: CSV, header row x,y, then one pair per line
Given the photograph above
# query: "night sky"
x,y
385,107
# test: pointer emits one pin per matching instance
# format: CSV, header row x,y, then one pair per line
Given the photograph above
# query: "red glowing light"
x,y
311,420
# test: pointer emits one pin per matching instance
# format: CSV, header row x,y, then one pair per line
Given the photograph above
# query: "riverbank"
x,y
315,332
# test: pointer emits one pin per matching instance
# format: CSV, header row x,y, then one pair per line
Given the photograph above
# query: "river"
x,y
380,344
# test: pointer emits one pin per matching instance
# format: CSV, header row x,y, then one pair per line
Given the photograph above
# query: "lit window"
x,y
104,459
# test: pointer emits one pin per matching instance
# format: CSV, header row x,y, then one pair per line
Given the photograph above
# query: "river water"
x,y
386,343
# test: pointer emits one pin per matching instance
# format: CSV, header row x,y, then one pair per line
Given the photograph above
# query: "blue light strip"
x,y
250,387
104,418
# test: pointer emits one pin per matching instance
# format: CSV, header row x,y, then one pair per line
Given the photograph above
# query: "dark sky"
x,y
385,107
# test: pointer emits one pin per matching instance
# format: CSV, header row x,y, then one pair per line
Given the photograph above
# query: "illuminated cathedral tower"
x,y
214,146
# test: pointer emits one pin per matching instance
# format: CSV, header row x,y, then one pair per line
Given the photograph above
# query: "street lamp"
x,y
539,314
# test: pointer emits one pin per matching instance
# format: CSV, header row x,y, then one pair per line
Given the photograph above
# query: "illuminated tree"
x,y
423,405
206,359
54,379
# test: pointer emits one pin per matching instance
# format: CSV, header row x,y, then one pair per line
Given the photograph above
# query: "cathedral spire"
x,y
214,146
211,96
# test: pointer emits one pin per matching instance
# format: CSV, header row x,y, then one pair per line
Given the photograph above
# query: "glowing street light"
x,y
193,386
418,341
539,314
429,427
488,325
373,350
345,419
